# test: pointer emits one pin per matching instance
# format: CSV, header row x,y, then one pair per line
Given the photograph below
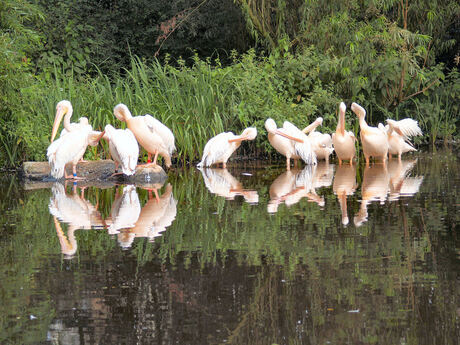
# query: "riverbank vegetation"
x,y
213,66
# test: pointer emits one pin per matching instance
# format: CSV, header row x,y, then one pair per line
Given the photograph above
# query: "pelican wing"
x,y
304,149
159,129
406,127
215,149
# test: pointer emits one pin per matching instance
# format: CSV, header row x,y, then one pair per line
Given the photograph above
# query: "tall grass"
x,y
196,102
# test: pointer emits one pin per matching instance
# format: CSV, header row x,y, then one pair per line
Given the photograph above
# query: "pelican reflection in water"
x,y
344,184
156,215
125,210
400,183
375,187
222,183
74,210
293,185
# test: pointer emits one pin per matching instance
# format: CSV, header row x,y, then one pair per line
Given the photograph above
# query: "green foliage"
x,y
16,44
83,36
439,111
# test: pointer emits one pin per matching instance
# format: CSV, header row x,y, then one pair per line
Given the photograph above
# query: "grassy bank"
x,y
204,98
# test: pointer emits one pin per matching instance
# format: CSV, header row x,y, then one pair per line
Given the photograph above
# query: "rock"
x,y
99,172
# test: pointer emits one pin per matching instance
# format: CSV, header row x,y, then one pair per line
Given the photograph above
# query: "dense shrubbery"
x,y
354,53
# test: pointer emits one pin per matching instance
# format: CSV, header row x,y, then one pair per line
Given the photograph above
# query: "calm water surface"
x,y
248,255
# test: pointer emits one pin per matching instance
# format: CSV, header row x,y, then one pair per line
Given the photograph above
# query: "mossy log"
x,y
96,172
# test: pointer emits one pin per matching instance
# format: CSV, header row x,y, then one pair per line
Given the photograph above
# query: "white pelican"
x,y
375,187
123,148
219,148
71,146
398,133
373,139
320,142
64,107
125,210
344,185
291,142
152,135
224,184
344,141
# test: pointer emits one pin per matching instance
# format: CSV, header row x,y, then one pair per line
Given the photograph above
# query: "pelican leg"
x,y
399,157
224,165
288,163
367,160
155,158
295,163
74,173
340,161
156,194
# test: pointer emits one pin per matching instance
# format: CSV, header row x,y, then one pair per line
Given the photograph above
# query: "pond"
x,y
249,255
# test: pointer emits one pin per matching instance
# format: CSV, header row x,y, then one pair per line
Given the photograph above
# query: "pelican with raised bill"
x,y
398,133
373,139
219,148
321,142
72,144
152,135
291,142
123,148
344,141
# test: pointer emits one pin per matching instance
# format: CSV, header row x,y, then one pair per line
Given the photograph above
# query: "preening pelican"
x,y
123,148
291,142
224,184
219,148
152,135
320,142
71,146
344,185
344,141
398,133
373,139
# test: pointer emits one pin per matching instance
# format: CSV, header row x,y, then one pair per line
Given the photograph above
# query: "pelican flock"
x,y
128,219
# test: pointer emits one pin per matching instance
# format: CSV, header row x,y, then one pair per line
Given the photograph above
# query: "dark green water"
x,y
325,256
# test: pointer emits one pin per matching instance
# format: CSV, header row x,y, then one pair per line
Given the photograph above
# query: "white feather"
x,y
304,149
159,129
123,148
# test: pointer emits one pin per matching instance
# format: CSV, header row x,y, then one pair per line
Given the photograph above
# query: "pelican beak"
x,y
57,121
100,136
246,137
288,136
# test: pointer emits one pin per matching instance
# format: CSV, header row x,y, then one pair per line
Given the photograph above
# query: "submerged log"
x,y
94,171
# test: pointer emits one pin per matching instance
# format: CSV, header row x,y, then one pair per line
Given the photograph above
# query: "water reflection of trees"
x,y
224,271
